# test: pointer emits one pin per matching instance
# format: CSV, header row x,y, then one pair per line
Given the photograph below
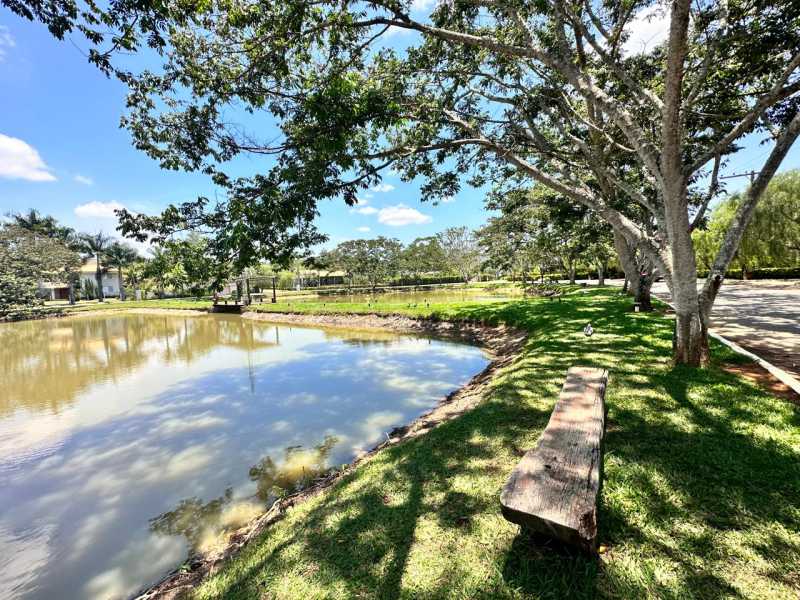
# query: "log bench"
x,y
554,488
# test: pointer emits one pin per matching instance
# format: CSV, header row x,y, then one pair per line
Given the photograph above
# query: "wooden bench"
x,y
554,488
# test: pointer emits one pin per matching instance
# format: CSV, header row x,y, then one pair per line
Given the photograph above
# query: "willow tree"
x,y
503,90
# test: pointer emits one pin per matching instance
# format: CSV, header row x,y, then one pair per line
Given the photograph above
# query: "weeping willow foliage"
x,y
772,239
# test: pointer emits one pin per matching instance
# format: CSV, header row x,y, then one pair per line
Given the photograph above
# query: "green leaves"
x,y
26,259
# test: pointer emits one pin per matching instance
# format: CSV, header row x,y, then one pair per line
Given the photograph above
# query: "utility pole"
x,y
750,174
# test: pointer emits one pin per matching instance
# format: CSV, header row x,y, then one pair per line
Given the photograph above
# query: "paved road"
x,y
761,316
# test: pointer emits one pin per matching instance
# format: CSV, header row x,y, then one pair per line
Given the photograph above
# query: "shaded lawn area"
x,y
701,495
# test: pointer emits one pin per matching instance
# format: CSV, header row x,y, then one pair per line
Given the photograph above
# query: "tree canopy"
x,y
772,238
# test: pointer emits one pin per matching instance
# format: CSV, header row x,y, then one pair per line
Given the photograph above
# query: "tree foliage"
x,y
376,259
772,238
423,255
26,259
462,254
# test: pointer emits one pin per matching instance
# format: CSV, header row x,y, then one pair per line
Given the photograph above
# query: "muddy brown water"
x,y
128,440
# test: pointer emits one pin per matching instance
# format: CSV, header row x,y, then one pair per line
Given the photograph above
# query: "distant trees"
x,y
772,239
423,255
26,259
177,266
509,240
377,259
535,227
462,253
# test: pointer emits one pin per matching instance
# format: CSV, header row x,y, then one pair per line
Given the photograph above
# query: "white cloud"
x,y
6,41
383,188
448,199
362,229
19,160
423,4
83,179
364,210
648,28
400,215
98,210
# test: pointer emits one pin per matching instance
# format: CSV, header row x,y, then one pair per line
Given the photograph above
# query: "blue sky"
x,y
64,153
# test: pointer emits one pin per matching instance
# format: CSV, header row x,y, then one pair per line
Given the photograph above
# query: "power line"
x,y
750,174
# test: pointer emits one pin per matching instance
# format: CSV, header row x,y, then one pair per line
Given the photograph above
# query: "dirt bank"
x,y
502,343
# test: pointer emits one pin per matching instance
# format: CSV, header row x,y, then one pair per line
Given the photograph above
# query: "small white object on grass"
x,y
588,330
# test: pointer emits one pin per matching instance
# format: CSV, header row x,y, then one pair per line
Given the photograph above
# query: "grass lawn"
x,y
701,495
116,304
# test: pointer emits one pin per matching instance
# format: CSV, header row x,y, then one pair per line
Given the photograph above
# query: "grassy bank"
x,y
701,496
115,304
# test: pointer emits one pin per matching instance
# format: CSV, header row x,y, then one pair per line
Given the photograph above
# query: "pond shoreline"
x,y
502,343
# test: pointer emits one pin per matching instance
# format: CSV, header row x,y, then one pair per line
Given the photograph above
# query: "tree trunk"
x,y
98,275
625,285
642,295
121,284
601,275
691,326
690,339
627,260
71,292
572,274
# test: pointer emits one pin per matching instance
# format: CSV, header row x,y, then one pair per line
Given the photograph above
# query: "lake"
x,y
128,440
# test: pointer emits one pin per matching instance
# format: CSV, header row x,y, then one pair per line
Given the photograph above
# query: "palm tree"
x,y
34,221
97,244
121,255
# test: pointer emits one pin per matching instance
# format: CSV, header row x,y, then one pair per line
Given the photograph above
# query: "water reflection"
x,y
45,364
106,422
206,525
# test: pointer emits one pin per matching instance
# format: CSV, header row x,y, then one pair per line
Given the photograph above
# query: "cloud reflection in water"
x,y
127,440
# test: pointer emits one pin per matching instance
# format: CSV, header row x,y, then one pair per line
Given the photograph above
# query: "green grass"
x,y
701,495
115,304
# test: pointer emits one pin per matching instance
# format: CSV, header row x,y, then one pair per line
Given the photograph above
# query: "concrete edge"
x,y
779,373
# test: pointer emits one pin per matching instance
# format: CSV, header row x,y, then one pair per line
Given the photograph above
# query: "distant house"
x,y
55,290
110,279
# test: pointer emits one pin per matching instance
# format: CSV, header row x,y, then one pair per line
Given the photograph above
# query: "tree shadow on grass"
x,y
693,484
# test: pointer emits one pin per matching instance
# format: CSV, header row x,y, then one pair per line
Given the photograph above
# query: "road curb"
x,y
779,373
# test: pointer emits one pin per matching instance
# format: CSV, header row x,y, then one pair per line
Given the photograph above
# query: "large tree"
x,y
27,259
376,260
70,243
423,255
462,253
509,91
